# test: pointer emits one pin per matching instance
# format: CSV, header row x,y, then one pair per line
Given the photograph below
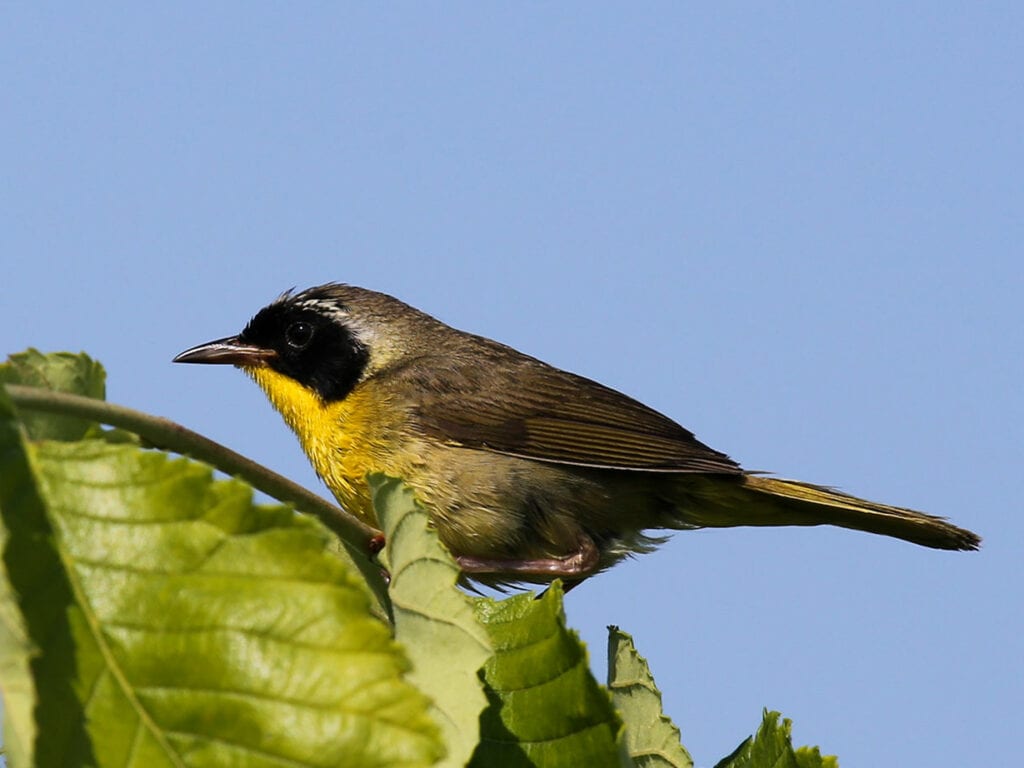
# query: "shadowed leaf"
x,y
546,708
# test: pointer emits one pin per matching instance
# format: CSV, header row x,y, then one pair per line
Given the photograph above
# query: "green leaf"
x,y
546,709
651,738
61,372
772,747
198,629
52,733
811,757
434,620
16,648
16,684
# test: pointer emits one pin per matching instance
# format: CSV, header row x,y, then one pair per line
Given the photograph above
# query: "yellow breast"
x,y
344,440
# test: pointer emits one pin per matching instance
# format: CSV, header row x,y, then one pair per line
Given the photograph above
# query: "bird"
x,y
528,472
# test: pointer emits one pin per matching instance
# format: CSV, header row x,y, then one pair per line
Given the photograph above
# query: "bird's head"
x,y
326,339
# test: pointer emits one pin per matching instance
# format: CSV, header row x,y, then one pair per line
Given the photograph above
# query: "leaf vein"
x,y
330,647
287,761
204,574
235,693
576,665
109,658
423,561
550,740
134,748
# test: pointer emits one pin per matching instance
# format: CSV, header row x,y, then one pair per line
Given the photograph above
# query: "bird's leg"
x,y
577,565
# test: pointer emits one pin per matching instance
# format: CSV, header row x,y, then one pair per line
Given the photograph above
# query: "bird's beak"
x,y
229,351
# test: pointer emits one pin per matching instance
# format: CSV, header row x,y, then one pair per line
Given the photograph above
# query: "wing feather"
x,y
493,398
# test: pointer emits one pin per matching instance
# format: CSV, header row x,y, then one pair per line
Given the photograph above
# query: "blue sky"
x,y
796,230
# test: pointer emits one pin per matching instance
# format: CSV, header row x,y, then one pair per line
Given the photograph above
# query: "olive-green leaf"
x,y
434,620
201,630
16,649
16,685
811,757
772,747
651,738
44,723
61,372
546,709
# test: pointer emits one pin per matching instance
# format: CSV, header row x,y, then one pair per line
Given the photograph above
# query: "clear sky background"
x,y
795,229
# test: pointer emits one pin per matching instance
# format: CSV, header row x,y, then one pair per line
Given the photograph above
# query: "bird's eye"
x,y
298,334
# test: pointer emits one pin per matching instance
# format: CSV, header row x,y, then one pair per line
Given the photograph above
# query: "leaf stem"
x,y
166,434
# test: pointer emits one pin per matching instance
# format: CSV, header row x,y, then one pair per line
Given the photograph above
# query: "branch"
x,y
166,434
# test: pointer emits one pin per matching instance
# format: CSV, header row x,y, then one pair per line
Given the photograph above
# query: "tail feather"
x,y
759,500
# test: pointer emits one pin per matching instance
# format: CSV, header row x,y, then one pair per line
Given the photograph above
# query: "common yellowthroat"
x,y
528,472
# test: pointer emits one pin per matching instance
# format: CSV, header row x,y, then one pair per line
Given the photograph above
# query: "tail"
x,y
758,500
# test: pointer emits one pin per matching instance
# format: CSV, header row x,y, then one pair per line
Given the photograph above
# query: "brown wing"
x,y
500,400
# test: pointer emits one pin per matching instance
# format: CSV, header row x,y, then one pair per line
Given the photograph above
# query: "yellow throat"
x,y
336,437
